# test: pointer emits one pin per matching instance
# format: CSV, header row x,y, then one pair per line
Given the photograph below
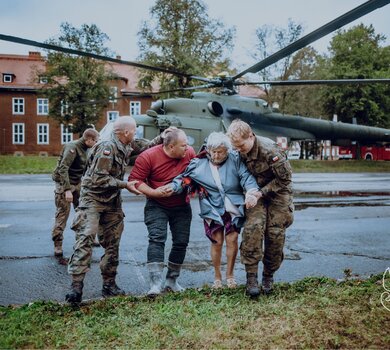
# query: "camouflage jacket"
x,y
103,178
71,164
269,165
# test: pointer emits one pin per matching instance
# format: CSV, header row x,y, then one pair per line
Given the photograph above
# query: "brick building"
x,y
26,129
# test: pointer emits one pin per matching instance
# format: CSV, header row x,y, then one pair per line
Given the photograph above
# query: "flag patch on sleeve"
x,y
106,152
275,159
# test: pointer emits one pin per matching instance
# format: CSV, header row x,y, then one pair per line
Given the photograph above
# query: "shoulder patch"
x,y
107,152
275,159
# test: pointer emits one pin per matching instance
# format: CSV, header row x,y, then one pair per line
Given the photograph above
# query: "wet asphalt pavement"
x,y
342,221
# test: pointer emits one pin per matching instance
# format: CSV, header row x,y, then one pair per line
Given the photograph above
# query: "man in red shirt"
x,y
155,168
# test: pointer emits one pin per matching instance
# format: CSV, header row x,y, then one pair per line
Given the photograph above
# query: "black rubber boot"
x,y
74,297
252,287
111,290
267,283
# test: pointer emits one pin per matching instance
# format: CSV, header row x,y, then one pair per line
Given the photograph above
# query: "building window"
x,y
18,133
43,134
113,93
112,116
17,105
8,78
135,108
66,134
42,106
65,109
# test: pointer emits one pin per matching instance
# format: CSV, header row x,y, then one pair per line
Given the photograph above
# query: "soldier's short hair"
x,y
124,122
172,136
218,139
91,134
238,129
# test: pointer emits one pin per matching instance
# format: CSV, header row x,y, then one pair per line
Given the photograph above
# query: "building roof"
x,y
23,68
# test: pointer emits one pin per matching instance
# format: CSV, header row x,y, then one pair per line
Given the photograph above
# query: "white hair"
x,y
218,139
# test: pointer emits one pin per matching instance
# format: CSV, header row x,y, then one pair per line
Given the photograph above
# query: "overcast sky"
x,y
39,20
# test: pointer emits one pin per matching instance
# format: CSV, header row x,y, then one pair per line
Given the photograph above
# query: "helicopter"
x,y
206,112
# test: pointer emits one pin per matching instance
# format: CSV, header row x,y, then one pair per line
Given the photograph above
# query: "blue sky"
x,y
121,19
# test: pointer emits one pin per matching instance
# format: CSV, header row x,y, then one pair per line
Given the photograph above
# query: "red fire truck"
x,y
374,152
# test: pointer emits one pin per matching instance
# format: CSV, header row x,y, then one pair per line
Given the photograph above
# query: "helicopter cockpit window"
x,y
190,140
139,133
215,108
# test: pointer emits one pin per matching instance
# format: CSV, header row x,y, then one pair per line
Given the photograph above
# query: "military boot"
x,y
58,253
267,283
252,287
75,295
111,289
173,273
155,276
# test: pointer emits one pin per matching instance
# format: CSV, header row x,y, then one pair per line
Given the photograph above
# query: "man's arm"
x,y
68,158
282,170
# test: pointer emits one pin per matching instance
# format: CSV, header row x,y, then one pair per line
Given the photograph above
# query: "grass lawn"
x,y
312,313
46,165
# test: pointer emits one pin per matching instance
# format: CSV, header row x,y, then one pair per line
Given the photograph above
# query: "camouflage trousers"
x,y
63,210
265,226
108,223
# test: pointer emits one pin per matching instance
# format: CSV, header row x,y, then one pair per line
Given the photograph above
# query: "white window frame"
x,y
8,78
18,104
42,106
65,109
110,114
135,107
18,134
66,135
114,92
43,135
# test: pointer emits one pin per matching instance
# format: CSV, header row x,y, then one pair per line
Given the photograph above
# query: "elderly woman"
x,y
221,179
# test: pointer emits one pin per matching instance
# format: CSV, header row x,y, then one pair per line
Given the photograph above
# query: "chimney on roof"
x,y
118,57
34,54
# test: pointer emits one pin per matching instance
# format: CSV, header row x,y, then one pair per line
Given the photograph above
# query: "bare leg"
x,y
216,253
231,253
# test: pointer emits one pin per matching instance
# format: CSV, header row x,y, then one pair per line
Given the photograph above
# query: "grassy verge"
x,y
27,165
312,313
339,166
45,165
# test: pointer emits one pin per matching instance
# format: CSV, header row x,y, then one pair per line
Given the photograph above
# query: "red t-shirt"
x,y
156,169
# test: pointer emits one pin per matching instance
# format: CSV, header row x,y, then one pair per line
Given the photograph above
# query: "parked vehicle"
x,y
373,152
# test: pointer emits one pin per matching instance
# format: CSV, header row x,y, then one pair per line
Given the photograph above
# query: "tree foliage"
x,y
181,36
357,53
73,80
270,39
303,100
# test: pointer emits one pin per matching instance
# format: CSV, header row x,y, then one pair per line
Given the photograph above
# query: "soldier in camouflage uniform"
x,y
266,223
67,177
100,208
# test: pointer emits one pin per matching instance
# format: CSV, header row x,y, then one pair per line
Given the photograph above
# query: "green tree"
x,y
181,36
269,39
303,65
357,53
300,99
74,81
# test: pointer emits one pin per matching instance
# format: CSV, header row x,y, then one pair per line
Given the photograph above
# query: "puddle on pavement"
x,y
334,194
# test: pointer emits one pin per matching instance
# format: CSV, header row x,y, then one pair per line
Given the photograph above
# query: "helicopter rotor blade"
x,y
331,26
316,82
89,54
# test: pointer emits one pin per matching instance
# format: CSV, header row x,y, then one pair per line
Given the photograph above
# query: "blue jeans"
x,y
157,219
